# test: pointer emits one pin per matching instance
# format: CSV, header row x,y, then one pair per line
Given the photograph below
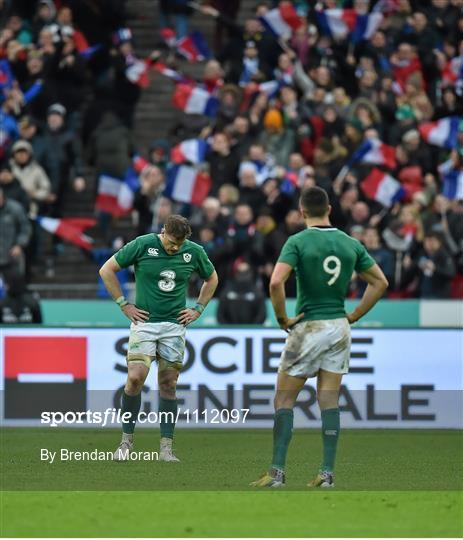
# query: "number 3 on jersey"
x,y
332,266
167,283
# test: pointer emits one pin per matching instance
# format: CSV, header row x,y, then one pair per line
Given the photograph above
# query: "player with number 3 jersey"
x,y
163,265
318,344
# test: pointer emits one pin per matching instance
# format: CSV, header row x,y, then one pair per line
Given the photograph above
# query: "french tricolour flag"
x,y
339,23
176,76
192,150
382,187
282,21
115,195
70,229
443,132
452,179
193,47
376,152
195,100
186,184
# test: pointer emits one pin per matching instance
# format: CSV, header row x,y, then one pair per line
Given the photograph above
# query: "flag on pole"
x,y
382,187
443,132
193,47
192,150
186,184
70,229
376,152
195,100
282,21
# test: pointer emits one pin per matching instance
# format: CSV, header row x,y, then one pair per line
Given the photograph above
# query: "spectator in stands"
x,y
19,306
16,232
61,156
32,177
434,268
241,234
148,197
11,186
176,11
223,162
241,300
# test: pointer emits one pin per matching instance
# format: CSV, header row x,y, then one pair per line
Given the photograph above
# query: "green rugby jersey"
x,y
162,279
324,259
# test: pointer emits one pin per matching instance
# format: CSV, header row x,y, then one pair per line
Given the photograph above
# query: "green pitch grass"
x,y
389,483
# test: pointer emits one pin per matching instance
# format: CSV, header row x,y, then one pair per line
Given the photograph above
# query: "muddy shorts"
x,y
314,345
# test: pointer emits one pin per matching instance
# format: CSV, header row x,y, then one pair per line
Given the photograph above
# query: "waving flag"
x,y
340,23
195,100
376,152
116,195
193,47
192,150
382,187
443,132
282,21
452,179
137,73
186,184
70,229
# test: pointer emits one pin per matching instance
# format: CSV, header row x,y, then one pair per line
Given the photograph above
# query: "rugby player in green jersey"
x,y
318,344
163,264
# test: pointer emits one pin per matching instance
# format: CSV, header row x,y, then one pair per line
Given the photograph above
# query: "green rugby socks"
x,y
330,434
130,404
168,416
282,433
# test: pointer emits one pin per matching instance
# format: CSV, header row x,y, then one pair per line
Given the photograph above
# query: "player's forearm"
x,y
207,290
278,298
111,282
372,294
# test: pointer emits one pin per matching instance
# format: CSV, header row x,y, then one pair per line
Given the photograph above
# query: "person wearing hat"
x,y
278,141
61,157
31,176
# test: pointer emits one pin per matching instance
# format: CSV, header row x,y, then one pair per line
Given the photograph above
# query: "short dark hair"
x,y
314,201
178,226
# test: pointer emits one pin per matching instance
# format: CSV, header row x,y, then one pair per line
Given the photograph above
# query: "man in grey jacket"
x,y
16,232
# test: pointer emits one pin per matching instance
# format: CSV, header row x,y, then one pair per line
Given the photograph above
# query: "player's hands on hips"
x,y
134,314
287,323
187,316
350,317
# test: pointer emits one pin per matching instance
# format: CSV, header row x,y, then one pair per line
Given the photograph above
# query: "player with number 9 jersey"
x,y
324,259
318,345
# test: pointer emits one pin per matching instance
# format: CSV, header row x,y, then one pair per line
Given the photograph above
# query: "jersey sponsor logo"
x,y
167,283
154,252
187,257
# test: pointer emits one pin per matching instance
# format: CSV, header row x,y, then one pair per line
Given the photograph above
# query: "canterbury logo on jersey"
x,y
154,252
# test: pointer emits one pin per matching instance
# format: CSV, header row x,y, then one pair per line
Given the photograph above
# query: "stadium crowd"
x,y
69,88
